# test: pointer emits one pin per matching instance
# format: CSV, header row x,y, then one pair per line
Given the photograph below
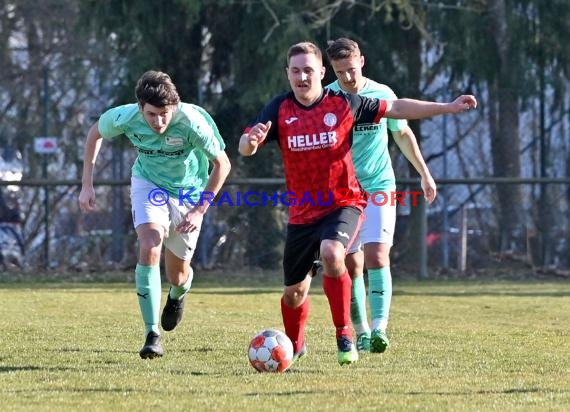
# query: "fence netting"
x,y
246,231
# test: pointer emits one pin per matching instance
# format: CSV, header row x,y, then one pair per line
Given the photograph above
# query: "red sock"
x,y
338,291
294,320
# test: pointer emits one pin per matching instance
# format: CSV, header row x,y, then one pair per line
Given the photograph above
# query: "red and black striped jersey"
x,y
315,144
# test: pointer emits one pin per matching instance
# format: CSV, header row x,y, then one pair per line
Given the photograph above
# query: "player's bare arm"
x,y
92,146
408,145
419,109
220,171
249,142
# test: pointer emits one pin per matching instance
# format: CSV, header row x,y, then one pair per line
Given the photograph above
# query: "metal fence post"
x,y
45,168
462,255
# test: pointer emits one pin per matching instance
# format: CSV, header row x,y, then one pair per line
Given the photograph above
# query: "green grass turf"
x,y
455,346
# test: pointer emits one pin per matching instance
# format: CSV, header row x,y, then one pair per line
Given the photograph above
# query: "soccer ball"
x,y
270,351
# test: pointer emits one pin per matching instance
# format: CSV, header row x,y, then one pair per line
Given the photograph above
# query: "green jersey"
x,y
370,154
176,160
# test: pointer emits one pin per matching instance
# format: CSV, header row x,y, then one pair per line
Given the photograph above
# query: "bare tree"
x,y
55,77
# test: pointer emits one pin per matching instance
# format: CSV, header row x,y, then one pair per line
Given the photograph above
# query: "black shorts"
x,y
304,241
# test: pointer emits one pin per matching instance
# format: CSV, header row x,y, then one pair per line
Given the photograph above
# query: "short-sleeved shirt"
x,y
315,144
370,143
177,159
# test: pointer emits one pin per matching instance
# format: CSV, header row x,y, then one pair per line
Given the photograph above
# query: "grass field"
x,y
455,346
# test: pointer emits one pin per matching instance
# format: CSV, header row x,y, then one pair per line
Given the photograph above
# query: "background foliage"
x,y
65,61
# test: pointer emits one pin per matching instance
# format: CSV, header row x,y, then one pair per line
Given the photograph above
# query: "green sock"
x,y
380,296
358,306
176,292
147,282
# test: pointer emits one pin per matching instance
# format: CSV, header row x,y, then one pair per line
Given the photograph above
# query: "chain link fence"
x,y
245,228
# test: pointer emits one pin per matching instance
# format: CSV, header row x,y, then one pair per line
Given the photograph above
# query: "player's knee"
x,y
177,278
179,275
332,254
355,264
150,247
377,256
333,265
294,296
378,262
149,254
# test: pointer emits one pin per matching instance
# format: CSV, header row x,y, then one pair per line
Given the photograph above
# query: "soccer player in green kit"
x,y
176,143
374,171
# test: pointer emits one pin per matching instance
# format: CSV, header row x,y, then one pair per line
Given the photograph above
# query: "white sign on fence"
x,y
45,145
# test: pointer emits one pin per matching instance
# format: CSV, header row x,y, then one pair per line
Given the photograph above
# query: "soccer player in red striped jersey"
x,y
313,128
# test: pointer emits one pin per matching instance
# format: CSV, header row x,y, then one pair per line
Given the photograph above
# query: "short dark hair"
x,y
156,88
304,48
342,48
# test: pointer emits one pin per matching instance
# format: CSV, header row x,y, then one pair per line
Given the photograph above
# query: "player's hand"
x,y
430,189
258,133
192,221
87,199
463,103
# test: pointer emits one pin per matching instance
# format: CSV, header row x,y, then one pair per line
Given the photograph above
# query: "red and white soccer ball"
x,y
270,351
